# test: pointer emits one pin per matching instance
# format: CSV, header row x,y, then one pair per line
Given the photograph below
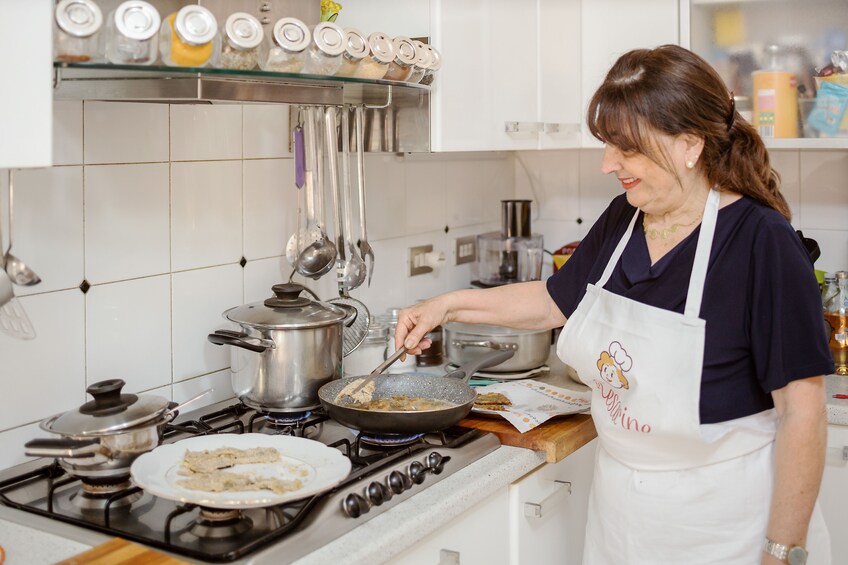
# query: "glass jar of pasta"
x,y
356,49
132,34
433,68
324,56
240,39
422,62
401,67
376,64
76,33
190,38
285,50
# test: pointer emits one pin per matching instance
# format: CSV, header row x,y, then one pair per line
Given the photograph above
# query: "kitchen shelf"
x,y
398,112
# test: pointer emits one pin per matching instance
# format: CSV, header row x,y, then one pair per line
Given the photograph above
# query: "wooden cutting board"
x,y
121,552
558,438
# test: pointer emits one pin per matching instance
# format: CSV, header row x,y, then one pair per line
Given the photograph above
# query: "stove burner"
x,y
389,440
92,496
283,420
218,524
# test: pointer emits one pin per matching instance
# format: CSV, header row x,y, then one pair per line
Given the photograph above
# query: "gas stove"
x,y
386,471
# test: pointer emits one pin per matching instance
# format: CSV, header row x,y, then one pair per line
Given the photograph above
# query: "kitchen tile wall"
x,y
153,208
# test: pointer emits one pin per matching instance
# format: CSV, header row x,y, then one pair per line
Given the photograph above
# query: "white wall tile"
x,y
551,179
127,227
787,164
125,132
270,207
206,214
596,189
266,131
48,225
388,284
48,373
128,332
164,391
198,300
202,132
12,444
385,196
261,274
220,383
465,195
67,133
824,198
426,195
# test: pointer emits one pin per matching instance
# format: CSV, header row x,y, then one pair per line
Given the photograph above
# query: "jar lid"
x,y
286,310
108,413
292,34
422,54
381,47
137,20
841,275
80,18
356,44
243,30
404,50
329,38
435,58
195,25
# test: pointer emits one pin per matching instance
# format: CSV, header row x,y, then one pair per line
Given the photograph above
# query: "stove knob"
x,y
436,462
417,472
377,493
354,505
399,482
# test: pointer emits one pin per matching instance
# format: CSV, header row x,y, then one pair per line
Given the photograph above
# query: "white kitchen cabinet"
x,y
548,511
834,491
479,535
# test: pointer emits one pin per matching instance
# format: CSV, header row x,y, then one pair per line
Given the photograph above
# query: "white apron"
x,y
666,488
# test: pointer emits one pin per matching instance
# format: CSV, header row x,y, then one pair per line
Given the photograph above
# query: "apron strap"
x,y
616,254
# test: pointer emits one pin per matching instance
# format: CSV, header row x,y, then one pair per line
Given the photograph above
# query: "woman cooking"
x,y
692,311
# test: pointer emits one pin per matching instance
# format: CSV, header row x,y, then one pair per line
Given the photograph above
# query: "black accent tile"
x,y
84,286
447,229
243,262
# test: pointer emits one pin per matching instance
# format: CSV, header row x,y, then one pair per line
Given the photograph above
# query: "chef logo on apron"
x,y
612,364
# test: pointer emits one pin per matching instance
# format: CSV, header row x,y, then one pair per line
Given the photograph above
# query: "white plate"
x,y
324,467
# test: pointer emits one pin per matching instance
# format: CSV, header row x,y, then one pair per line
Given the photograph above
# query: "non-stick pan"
x,y
452,388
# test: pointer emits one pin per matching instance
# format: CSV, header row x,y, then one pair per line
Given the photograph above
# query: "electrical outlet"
x,y
466,249
417,260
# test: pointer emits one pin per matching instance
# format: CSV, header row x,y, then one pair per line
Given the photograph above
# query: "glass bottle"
x,y
836,316
285,50
190,38
401,67
76,33
240,39
372,351
422,62
435,66
356,49
324,56
376,64
132,34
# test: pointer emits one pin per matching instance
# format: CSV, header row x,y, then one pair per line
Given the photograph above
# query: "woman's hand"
x,y
416,321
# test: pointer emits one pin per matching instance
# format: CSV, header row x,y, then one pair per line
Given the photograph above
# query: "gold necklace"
x,y
665,233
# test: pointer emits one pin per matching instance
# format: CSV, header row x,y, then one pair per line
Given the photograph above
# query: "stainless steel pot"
x,y
465,343
287,348
102,438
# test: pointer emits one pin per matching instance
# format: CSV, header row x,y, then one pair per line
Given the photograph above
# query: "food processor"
x,y
513,254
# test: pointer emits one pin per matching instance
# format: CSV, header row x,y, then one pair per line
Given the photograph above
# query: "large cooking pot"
x,y
102,438
288,347
465,343
452,388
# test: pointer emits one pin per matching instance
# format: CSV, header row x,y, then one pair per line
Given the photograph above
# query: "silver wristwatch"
x,y
794,555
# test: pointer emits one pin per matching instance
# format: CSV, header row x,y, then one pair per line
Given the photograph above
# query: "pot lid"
x,y
404,50
292,34
195,25
243,30
356,44
80,18
137,20
329,38
109,412
286,310
488,330
381,47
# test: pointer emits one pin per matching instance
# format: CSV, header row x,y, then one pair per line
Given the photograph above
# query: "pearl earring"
x,y
690,164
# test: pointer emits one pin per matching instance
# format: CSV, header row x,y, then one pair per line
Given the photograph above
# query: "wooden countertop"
x,y
121,552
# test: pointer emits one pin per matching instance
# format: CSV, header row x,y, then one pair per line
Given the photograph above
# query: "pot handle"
x,y
238,339
352,313
76,448
487,360
462,344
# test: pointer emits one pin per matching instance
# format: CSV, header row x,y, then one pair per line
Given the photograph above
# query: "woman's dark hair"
x,y
674,91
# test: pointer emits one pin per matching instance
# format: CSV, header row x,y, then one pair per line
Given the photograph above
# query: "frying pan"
x,y
452,387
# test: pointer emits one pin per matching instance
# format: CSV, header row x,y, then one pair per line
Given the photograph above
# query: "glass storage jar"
x,y
285,50
356,48
401,67
189,38
422,62
370,353
375,65
76,33
324,56
132,34
390,319
240,39
435,65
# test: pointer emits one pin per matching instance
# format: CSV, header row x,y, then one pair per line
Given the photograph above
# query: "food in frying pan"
x,y
207,461
362,395
226,481
402,403
203,471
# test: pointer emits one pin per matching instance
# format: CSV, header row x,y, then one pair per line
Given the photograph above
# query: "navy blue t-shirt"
x,y
761,304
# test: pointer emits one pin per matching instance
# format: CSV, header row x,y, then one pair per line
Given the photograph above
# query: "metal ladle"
x,y
17,270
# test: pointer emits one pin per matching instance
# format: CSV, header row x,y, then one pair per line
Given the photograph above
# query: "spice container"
x,y
433,68
240,39
835,305
401,67
433,355
189,38
285,50
131,34
390,319
356,49
76,31
376,64
324,56
422,62
372,351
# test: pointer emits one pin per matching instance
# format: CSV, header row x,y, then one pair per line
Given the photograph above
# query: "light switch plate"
x,y
416,260
466,249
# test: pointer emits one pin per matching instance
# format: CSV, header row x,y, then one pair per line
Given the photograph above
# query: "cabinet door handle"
x,y
552,127
448,557
536,509
523,127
